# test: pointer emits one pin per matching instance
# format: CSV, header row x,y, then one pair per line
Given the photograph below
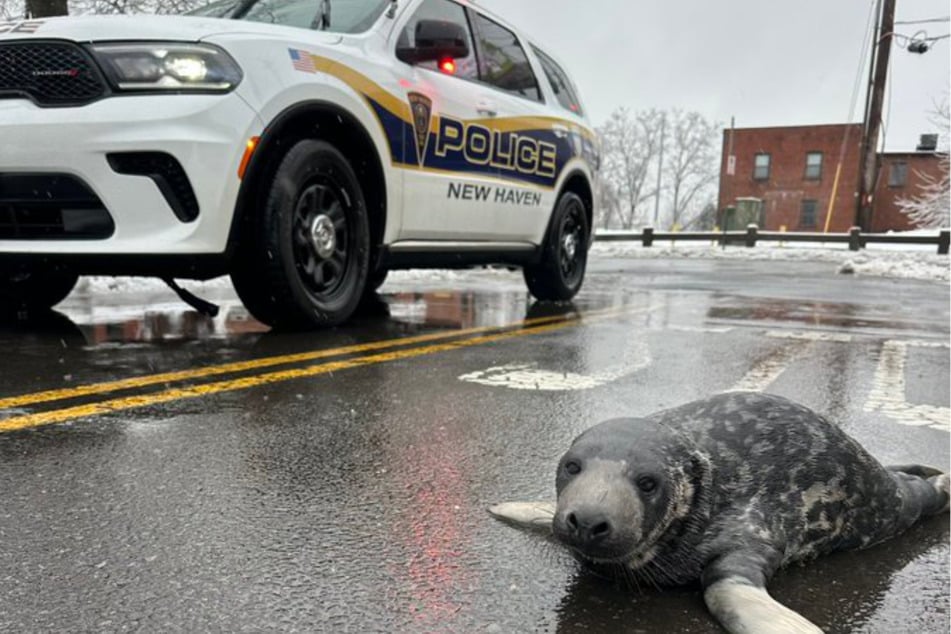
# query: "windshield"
x,y
339,16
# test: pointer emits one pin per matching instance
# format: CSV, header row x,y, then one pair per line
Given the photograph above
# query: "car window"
x,y
445,11
565,93
504,63
340,16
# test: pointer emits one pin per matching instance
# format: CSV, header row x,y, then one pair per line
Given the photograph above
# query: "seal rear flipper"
x,y
537,516
942,484
920,470
925,491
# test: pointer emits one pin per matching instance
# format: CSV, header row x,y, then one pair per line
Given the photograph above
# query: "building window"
x,y
813,166
761,167
898,174
807,214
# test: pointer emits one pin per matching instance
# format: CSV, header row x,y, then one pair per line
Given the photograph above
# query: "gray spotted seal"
x,y
726,491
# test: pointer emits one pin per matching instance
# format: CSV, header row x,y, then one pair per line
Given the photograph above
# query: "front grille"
x,y
50,73
51,207
167,174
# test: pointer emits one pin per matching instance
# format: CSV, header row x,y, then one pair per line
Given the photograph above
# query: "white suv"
x,y
305,147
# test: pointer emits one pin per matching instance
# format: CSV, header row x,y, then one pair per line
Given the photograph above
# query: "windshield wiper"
x,y
243,7
322,18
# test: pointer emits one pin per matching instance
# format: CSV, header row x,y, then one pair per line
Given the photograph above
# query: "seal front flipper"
x,y
537,516
735,593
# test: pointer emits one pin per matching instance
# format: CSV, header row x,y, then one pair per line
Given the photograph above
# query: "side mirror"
x,y
436,40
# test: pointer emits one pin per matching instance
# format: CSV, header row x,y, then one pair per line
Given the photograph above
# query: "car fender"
x,y
273,86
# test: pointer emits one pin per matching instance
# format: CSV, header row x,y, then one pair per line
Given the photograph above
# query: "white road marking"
x,y
762,375
888,389
809,335
768,370
528,376
712,330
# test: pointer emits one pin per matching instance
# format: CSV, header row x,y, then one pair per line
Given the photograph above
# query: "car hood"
x,y
95,28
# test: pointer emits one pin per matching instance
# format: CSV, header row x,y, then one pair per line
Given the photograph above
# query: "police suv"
x,y
303,147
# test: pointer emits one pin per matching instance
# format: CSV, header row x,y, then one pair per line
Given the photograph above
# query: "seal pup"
x,y
726,491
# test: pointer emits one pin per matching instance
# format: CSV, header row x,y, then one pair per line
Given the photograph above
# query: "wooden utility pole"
x,y
46,8
873,114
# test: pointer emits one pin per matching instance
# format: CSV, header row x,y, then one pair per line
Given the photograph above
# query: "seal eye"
x,y
646,484
572,468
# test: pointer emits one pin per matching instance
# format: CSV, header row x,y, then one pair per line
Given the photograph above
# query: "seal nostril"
x,y
572,521
601,530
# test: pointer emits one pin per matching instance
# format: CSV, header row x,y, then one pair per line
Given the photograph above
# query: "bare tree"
x,y
11,9
690,165
706,220
608,205
629,144
930,207
16,9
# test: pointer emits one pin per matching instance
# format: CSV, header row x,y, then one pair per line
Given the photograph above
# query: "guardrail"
x,y
854,238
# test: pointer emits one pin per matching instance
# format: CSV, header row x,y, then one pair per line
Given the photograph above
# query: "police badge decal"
x,y
421,107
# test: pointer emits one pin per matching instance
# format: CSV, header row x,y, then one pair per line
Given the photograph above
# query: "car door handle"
x,y
560,131
487,109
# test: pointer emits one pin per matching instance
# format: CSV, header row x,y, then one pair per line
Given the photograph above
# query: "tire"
x,y
34,291
305,264
376,280
560,272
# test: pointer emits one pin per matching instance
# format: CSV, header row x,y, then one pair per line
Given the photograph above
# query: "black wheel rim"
x,y
571,245
322,237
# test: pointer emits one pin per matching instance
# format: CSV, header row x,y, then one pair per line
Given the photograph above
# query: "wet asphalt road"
x,y
352,497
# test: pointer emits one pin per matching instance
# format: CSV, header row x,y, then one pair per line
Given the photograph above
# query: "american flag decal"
x,y
30,26
302,60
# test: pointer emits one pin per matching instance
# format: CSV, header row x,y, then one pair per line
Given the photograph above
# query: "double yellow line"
x,y
458,339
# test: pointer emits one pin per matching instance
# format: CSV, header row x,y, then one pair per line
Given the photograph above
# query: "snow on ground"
x,y
919,262
879,260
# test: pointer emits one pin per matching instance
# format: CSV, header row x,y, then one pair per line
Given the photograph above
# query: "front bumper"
x,y
206,134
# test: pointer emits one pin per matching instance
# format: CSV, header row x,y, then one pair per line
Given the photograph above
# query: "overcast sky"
x,y
766,62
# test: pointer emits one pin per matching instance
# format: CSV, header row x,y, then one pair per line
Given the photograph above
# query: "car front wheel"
x,y
307,265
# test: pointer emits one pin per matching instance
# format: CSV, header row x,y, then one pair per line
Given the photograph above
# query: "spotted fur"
x,y
748,483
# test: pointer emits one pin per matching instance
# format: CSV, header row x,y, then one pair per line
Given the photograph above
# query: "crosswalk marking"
x,y
768,369
888,389
887,395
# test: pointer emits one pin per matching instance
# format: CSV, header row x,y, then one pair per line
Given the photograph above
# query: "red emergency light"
x,y
447,65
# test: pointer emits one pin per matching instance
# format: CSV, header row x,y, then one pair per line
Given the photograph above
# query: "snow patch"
x,y
909,262
917,262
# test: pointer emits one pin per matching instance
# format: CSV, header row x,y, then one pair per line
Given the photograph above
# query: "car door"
x,y
531,145
448,176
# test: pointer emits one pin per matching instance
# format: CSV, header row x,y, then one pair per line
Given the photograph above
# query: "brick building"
x,y
787,175
900,176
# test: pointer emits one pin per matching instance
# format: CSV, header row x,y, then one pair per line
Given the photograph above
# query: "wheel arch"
x,y
324,121
577,182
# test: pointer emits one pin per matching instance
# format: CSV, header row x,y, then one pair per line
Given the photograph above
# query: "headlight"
x,y
172,66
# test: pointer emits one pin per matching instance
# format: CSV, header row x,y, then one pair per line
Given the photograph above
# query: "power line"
x,y
928,21
920,36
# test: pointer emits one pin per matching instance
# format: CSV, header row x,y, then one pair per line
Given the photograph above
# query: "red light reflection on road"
x,y
432,524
